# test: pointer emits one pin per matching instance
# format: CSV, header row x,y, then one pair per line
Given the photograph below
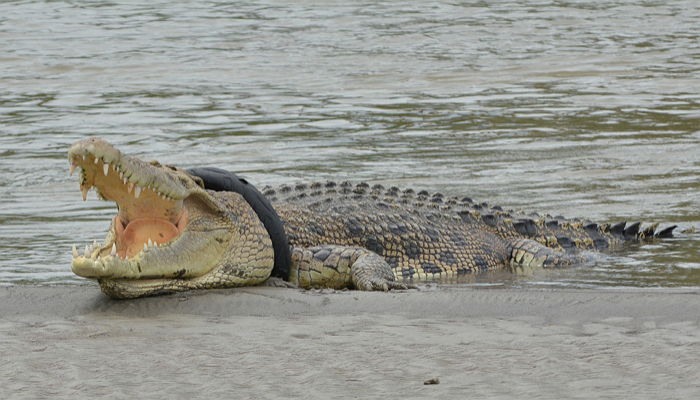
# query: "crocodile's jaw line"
x,y
152,217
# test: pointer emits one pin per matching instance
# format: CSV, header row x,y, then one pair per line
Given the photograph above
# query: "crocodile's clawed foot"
x,y
402,286
278,282
371,272
382,284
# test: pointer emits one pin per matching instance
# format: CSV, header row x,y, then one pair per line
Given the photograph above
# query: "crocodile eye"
x,y
199,181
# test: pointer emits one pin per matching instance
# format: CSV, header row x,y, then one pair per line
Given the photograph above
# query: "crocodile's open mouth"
x,y
150,203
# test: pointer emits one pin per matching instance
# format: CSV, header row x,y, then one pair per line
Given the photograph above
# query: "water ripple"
x,y
574,108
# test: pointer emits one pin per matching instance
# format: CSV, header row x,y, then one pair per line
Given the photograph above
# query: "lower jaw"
x,y
142,232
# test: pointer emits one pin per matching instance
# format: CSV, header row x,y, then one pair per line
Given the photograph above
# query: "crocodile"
x,y
175,230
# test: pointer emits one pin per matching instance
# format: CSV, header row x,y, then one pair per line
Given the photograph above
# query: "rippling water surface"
x,y
579,108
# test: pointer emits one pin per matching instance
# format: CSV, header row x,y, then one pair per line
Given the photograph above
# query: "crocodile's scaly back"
x,y
428,236
553,231
415,244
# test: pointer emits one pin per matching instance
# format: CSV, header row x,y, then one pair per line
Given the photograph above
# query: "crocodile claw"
x,y
380,284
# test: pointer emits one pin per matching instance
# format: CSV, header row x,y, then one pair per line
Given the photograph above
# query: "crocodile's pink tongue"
x,y
130,242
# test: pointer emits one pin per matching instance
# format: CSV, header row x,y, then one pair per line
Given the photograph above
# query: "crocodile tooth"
x,y
75,252
85,192
121,174
72,168
86,254
150,242
131,186
97,159
114,250
137,192
105,168
145,246
84,157
124,179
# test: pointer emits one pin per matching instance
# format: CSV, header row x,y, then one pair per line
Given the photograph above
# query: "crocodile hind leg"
x,y
334,266
528,254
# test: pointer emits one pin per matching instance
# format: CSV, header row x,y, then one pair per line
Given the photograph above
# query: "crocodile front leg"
x,y
334,266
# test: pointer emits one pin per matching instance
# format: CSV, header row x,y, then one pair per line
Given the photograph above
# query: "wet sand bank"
x,y
285,343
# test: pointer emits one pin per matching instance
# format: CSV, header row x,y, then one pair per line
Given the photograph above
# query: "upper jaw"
x,y
102,163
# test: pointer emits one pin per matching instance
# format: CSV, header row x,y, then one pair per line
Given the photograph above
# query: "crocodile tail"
x,y
565,234
635,231
568,234
589,235
554,232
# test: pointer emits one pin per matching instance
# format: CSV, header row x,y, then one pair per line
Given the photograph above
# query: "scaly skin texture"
x,y
172,235
421,237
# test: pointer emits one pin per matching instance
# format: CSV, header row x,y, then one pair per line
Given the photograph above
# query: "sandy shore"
x,y
285,343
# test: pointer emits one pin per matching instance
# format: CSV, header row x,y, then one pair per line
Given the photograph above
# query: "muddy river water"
x,y
574,108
